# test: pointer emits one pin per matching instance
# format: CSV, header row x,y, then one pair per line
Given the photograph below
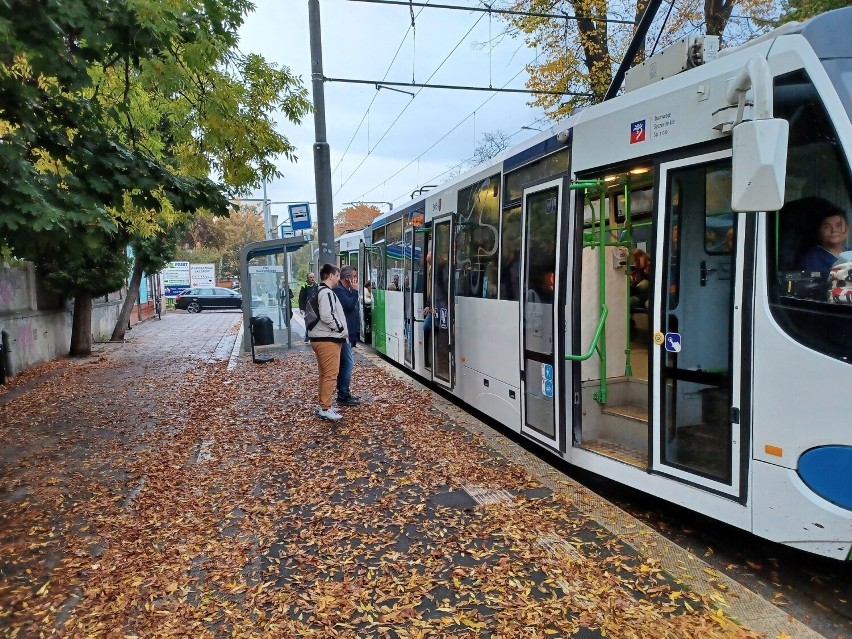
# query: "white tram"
x,y
718,385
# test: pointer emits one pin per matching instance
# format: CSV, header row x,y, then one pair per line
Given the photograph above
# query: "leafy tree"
x,y
220,240
801,10
150,255
115,114
354,217
490,145
581,55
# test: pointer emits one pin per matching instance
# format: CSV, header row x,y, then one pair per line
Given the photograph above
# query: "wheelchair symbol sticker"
x,y
547,387
673,342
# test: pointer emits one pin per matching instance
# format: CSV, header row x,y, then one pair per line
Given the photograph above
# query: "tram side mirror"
x,y
759,165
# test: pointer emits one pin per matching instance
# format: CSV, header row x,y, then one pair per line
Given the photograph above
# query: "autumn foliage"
x,y
354,217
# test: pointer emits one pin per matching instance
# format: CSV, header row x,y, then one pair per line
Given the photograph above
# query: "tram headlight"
x,y
827,470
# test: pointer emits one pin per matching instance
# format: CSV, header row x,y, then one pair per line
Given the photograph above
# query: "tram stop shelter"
x,y
267,294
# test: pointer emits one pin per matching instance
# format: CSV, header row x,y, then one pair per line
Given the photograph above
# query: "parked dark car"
x,y
211,298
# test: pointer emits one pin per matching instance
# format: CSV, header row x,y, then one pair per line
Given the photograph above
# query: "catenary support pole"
x,y
322,159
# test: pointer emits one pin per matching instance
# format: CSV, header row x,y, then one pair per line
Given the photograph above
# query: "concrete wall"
x,y
38,324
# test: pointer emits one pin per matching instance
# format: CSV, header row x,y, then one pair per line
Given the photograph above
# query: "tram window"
x,y
477,239
510,255
719,219
810,253
554,164
641,203
393,256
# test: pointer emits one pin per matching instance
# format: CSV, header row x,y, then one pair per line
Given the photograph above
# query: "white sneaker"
x,y
329,414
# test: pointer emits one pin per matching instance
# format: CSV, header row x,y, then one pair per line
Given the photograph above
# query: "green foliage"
x,y
59,164
114,117
801,10
98,267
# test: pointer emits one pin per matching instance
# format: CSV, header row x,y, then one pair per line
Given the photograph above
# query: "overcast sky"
x,y
360,41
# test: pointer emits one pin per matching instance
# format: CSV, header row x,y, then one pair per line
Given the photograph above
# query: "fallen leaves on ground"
x,y
148,495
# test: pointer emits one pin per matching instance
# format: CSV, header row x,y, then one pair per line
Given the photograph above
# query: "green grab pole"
x,y
594,345
600,396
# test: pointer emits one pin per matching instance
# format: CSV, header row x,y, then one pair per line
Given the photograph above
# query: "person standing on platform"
x,y
327,338
305,291
347,293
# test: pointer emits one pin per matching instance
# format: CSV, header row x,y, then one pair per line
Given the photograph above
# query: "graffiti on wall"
x,y
25,337
7,293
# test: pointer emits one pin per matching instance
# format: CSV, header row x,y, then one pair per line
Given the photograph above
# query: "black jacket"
x,y
303,294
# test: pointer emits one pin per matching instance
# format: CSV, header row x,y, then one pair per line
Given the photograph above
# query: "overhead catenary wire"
x,y
367,112
458,165
405,108
489,9
442,138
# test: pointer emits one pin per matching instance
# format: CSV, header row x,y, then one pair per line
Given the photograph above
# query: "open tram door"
x,y
408,259
540,381
439,336
697,431
364,277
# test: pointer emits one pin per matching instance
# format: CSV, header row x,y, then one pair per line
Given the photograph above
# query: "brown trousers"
x,y
328,361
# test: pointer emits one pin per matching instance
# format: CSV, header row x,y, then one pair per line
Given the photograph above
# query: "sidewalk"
x,y
150,491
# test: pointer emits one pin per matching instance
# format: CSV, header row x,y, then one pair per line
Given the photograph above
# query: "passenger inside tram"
x,y
640,281
830,240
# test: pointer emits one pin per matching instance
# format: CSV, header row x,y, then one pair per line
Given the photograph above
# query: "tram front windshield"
x,y
810,256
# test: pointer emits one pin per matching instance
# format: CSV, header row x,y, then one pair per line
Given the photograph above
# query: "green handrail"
x,y
599,341
595,340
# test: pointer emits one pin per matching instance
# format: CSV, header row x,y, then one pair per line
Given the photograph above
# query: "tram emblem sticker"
x,y
673,342
637,131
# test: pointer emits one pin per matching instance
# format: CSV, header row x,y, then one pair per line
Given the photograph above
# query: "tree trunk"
x,y
81,326
126,308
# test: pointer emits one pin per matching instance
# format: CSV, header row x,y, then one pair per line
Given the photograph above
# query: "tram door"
x,y
441,338
541,212
408,292
363,278
695,365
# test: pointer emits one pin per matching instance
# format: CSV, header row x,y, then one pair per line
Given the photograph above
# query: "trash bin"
x,y
261,328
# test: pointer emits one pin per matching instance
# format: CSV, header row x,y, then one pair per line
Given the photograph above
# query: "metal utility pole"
x,y
322,154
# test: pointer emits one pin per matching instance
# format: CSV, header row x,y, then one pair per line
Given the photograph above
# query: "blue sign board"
x,y
300,216
174,291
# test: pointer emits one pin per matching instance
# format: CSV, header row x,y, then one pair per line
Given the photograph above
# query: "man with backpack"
x,y
325,322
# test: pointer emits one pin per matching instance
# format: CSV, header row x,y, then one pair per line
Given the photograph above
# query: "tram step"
x,y
628,411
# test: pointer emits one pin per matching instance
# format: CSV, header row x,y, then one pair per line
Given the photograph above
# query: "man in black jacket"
x,y
347,293
305,291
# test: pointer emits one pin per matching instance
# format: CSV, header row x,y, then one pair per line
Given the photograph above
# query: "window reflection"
x,y
477,236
